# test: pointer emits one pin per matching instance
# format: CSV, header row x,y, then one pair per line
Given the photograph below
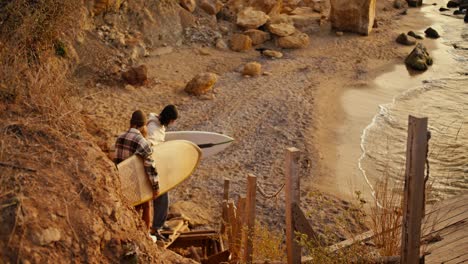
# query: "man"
x,y
157,125
133,142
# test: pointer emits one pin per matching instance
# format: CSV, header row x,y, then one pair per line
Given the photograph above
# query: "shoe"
x,y
154,238
160,237
165,227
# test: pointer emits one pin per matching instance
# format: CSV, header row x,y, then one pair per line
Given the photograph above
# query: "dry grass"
x,y
268,244
386,217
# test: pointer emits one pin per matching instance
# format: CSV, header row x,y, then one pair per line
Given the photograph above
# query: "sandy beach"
x,y
297,103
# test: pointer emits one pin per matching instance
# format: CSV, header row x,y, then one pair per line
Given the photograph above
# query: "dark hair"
x,y
138,119
168,114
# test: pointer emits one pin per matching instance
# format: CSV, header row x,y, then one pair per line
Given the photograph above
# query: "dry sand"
x,y
298,105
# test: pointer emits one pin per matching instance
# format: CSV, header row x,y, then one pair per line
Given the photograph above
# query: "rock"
x,y
398,4
187,19
419,59
281,18
188,5
257,36
466,18
136,75
251,19
443,9
306,20
272,54
282,29
414,35
297,41
267,6
453,3
48,236
252,69
221,44
240,42
431,33
339,33
353,15
414,3
403,39
201,84
211,7
458,12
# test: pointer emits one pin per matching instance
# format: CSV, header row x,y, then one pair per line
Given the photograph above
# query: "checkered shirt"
x,y
133,142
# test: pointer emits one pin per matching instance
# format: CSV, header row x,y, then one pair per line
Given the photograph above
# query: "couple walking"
x,y
145,132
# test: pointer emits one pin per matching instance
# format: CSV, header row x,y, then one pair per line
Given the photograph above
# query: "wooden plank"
x,y
249,219
301,224
292,196
217,258
416,149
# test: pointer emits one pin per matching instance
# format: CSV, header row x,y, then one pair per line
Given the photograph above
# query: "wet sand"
x,y
359,104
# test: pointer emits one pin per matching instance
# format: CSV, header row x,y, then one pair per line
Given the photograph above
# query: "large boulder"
x,y
136,75
296,41
258,37
419,59
353,15
201,84
282,29
240,42
251,19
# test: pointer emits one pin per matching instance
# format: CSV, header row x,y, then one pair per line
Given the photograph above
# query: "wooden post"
x,y
239,227
292,197
232,224
249,214
226,189
413,202
224,209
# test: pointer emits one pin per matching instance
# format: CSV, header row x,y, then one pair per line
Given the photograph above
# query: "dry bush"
x,y
268,244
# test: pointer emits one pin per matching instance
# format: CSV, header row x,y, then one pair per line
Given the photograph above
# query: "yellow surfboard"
x,y
175,161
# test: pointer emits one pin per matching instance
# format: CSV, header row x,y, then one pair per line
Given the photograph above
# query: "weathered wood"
x,y
224,216
224,209
292,197
250,217
218,258
237,236
232,217
301,224
414,189
227,182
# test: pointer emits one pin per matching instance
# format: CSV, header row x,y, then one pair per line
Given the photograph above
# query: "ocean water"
x,y
441,94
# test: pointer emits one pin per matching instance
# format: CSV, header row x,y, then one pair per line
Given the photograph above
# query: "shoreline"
x,y
386,82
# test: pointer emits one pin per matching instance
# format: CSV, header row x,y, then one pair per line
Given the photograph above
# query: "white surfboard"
x,y
209,142
175,162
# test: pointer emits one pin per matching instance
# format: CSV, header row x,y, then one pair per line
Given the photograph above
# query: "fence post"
x,y
224,209
292,197
413,202
249,214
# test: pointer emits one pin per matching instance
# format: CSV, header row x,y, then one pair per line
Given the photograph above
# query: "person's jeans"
x,y
160,209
